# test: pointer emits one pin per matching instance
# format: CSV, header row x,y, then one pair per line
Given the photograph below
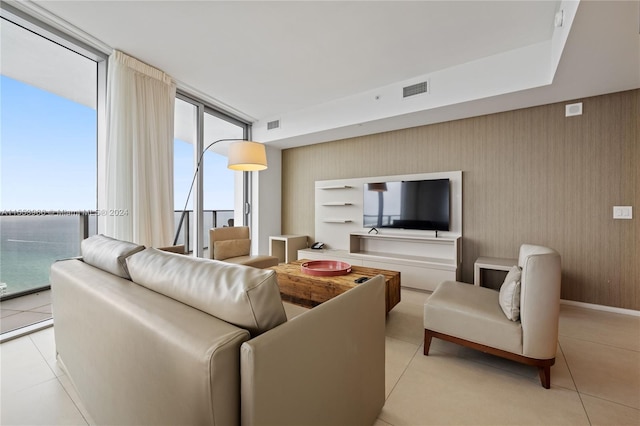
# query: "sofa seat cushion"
x,y
246,297
256,261
108,254
471,313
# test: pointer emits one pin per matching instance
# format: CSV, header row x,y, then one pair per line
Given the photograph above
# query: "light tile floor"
x,y
596,379
25,310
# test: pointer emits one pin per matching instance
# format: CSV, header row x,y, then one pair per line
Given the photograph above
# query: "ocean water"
x,y
30,244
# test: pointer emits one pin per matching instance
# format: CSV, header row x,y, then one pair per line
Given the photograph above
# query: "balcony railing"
x,y
30,241
212,219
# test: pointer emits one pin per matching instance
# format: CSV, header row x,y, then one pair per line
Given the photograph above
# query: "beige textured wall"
x,y
530,175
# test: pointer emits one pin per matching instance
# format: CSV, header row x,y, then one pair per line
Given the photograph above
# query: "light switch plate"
x,y
573,109
622,212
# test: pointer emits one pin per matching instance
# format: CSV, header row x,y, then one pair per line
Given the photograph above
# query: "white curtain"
x,y
139,170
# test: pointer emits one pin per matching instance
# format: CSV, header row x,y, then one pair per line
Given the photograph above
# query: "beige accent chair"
x,y
232,244
472,316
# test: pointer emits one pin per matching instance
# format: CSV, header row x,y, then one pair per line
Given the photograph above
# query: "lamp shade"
x,y
378,187
247,156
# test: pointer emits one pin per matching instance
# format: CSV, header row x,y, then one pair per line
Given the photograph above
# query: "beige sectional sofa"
x,y
150,337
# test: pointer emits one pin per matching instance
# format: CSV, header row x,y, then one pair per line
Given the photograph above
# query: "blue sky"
x,y
48,150
48,155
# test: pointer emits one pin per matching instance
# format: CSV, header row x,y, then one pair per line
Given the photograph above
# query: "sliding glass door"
x,y
48,166
214,189
185,137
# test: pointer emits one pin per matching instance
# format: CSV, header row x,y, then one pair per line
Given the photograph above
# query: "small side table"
x,y
285,247
493,263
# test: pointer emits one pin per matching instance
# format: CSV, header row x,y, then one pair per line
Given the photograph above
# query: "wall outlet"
x,y
622,212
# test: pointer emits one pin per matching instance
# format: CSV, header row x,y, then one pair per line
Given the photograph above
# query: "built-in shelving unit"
x,y
335,205
423,262
423,259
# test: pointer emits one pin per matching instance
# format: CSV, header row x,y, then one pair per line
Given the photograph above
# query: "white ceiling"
x,y
31,59
299,61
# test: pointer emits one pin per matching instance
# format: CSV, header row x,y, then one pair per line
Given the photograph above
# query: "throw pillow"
x,y
108,254
246,297
231,248
509,297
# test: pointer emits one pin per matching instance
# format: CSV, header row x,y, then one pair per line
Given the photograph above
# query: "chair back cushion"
x,y
231,248
243,296
108,254
229,242
539,300
230,233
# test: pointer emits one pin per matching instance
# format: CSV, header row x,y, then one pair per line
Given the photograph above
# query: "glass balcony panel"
x,y
48,164
30,244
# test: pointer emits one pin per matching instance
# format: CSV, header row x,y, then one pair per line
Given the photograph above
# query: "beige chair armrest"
x,y
323,367
180,249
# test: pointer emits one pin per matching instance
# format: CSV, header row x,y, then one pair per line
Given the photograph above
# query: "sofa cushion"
x,y
231,248
509,297
243,296
108,254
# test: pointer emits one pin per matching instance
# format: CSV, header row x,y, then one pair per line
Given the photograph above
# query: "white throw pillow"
x,y
509,297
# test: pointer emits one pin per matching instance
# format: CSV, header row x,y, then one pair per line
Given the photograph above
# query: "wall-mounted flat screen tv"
x,y
416,204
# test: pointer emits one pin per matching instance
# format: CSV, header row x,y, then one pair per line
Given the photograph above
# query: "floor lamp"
x,y
246,156
380,188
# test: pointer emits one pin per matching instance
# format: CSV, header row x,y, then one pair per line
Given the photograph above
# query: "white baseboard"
x,y
612,309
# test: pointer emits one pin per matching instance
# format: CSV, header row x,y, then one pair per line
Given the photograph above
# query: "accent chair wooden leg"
x,y
545,376
427,342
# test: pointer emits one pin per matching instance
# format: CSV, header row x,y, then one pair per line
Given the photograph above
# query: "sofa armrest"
x,y
138,357
325,366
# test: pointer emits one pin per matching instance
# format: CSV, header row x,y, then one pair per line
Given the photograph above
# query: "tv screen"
x,y
418,204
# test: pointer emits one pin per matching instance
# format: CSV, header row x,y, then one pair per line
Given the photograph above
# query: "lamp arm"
x,y
184,210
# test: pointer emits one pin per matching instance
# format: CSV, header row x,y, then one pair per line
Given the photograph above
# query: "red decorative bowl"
x,y
325,268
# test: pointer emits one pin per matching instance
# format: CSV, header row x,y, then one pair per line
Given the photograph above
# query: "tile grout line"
x,y
404,370
58,378
610,401
596,343
73,400
566,360
398,381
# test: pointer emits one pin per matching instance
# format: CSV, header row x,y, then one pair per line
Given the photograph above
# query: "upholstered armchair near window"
x,y
232,244
519,322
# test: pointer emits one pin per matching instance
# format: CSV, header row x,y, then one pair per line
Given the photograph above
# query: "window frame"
x,y
202,108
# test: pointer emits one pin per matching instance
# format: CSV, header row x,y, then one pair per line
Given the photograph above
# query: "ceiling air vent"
x,y
415,89
275,124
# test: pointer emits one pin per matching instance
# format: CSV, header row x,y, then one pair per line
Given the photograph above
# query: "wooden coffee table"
x,y
309,290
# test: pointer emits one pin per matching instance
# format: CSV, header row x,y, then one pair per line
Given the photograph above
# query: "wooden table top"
x,y
299,287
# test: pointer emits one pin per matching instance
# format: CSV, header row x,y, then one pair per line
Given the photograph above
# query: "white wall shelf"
x,y
337,220
335,187
337,204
